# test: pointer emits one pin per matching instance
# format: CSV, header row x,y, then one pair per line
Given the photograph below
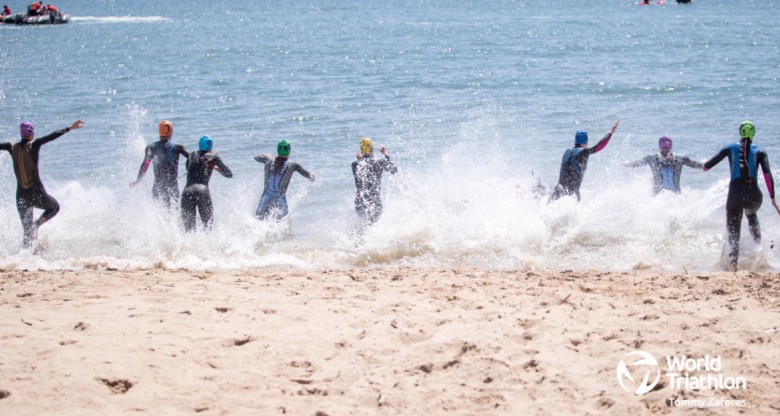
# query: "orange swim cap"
x,y
166,128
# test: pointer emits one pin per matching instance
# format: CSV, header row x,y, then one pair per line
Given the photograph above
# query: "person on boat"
x,y
52,9
368,180
575,162
34,9
278,172
744,194
666,166
30,192
164,154
6,10
196,196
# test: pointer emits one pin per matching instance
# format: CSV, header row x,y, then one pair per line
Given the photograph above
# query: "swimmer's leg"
x,y
263,207
188,212
206,208
25,209
733,227
753,225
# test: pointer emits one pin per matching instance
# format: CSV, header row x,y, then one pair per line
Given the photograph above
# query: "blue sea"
x,y
476,102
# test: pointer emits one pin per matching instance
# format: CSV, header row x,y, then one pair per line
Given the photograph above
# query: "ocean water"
x,y
475,100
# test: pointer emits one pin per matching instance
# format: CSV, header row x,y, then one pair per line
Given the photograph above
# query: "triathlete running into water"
x,y
575,162
368,180
278,172
196,196
666,166
164,154
744,193
30,192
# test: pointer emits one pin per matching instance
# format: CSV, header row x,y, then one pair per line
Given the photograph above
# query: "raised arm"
x,y
263,158
716,159
605,140
51,136
387,164
222,167
6,146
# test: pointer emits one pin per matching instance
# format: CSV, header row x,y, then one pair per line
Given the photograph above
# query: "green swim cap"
x,y
283,148
747,130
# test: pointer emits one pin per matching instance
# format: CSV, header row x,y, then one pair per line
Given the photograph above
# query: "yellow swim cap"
x,y
366,145
166,128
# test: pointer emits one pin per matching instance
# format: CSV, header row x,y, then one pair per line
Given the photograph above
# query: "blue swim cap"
x,y
206,143
581,137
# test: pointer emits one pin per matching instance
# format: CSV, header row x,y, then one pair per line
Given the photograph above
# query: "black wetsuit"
x,y
164,156
666,171
573,166
368,183
30,192
744,193
196,196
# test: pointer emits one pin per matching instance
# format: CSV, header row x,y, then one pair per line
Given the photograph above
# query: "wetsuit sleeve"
x,y
641,162
389,166
600,145
263,158
763,160
222,167
182,151
148,156
304,172
6,146
690,163
46,139
716,159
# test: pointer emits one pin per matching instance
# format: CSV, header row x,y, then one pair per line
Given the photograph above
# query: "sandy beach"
x,y
377,341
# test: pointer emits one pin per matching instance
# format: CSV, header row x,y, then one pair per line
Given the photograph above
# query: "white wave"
x,y
464,205
119,19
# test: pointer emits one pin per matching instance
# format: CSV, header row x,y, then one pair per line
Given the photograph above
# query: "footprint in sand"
x,y
119,386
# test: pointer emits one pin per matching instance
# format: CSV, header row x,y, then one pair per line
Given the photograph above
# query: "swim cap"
x,y
26,129
665,143
366,145
283,148
747,130
581,137
206,143
166,128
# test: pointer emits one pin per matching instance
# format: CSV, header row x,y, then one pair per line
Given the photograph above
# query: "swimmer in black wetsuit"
x,y
575,162
744,193
368,180
196,195
30,192
666,166
165,156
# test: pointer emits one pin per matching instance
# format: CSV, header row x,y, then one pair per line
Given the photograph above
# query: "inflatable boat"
x,y
48,19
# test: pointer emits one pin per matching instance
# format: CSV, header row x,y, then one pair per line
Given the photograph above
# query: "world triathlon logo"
x,y
638,372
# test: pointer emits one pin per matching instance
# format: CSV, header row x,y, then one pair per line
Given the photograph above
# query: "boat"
x,y
46,19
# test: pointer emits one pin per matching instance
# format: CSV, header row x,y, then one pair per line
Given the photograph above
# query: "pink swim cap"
x,y
665,143
26,129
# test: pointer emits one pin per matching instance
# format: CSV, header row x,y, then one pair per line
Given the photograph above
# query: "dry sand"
x,y
384,341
